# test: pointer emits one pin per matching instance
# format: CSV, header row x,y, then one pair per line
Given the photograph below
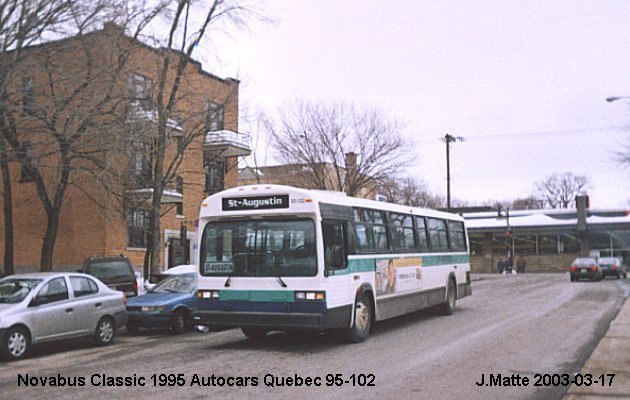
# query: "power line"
x,y
471,137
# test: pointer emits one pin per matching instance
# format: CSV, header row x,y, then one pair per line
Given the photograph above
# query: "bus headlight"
x,y
310,296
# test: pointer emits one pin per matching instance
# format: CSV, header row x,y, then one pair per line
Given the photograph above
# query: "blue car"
x,y
167,305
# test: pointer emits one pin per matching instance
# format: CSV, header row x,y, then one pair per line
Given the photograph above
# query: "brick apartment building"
x,y
91,223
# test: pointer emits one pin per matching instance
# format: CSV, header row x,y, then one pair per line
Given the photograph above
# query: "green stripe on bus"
x,y
356,265
257,295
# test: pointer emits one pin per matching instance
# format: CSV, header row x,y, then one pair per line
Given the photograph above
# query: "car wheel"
x,y
16,344
105,331
133,328
254,333
178,322
363,316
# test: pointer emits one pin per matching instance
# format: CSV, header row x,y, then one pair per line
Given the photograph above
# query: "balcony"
x,y
141,113
141,196
227,143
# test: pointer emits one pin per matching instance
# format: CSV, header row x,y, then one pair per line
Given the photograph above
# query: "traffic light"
x,y
508,235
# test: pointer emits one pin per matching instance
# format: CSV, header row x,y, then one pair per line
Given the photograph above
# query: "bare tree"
x,y
559,191
22,24
55,121
189,24
339,146
527,203
412,192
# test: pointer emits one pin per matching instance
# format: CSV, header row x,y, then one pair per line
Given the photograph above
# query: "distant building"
x,y
549,239
300,175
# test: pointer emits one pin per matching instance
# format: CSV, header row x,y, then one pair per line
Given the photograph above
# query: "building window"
x,y
569,243
141,164
138,227
27,153
179,188
28,95
180,144
499,244
140,90
525,244
215,173
476,245
548,244
214,116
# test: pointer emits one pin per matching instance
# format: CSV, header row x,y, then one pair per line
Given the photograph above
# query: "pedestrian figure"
x,y
508,265
501,265
521,264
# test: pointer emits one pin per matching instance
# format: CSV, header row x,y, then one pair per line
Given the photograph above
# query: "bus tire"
x,y
363,319
448,307
254,333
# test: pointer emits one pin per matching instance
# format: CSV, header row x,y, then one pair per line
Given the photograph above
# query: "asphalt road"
x,y
512,325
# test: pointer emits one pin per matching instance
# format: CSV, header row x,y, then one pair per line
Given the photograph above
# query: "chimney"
x,y
351,169
581,203
111,26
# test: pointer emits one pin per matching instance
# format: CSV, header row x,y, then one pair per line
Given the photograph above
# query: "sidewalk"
x,y
611,356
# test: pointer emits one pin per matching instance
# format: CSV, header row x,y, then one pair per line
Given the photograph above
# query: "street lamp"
x,y
615,98
448,139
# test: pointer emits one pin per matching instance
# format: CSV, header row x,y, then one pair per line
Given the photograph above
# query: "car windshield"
x,y
259,248
14,290
176,284
109,271
584,262
609,261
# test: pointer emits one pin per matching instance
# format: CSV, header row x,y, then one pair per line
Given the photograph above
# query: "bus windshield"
x,y
262,248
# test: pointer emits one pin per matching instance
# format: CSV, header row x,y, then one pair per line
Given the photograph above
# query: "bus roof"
x,y
322,196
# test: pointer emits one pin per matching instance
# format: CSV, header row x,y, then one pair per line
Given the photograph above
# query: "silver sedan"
x,y
43,307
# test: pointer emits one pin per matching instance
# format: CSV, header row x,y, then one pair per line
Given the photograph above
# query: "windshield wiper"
x,y
228,281
281,282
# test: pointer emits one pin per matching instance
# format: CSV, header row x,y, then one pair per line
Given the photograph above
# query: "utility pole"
x,y
448,139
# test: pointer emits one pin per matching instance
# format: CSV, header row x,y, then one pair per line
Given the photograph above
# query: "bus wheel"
x,y
451,298
254,333
362,320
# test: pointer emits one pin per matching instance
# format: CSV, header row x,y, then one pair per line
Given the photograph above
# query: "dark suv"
x,y
114,271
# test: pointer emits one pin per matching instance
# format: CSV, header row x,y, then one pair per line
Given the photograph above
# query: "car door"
x,y
88,303
52,311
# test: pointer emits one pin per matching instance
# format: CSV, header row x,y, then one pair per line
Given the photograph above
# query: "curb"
x,y
611,356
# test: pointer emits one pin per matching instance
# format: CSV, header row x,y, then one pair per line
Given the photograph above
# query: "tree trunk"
x,y
8,211
48,246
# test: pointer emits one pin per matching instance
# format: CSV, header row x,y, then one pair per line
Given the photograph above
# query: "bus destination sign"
x,y
255,203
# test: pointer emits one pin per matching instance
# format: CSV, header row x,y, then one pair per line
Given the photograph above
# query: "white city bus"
x,y
281,258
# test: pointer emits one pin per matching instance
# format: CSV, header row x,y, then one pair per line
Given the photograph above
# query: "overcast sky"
x,y
523,82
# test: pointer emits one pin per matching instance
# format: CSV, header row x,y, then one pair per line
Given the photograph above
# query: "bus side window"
x,y
334,245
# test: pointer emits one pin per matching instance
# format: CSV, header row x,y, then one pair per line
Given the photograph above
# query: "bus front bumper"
x,y
333,319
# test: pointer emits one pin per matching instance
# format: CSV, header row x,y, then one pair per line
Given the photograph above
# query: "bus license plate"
x,y
218,267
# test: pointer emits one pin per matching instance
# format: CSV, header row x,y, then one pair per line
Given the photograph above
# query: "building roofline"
x,y
114,28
